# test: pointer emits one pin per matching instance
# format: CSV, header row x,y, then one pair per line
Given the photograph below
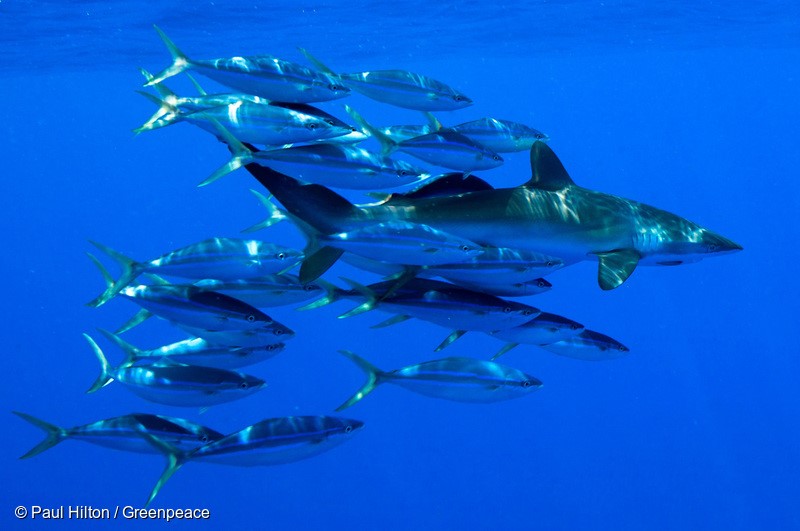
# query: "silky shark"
x,y
548,214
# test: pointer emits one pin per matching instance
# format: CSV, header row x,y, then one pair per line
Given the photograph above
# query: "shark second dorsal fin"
x,y
615,267
547,172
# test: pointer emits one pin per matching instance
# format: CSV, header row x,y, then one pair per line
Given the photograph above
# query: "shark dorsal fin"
x,y
547,172
615,267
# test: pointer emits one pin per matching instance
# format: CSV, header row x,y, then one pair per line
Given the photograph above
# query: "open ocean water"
x,y
688,106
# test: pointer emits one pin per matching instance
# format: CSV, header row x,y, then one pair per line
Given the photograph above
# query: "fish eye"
x,y
309,287
575,326
243,385
527,312
251,318
465,248
458,97
402,173
541,284
526,383
278,331
550,264
348,429
281,256
311,126
496,157
507,309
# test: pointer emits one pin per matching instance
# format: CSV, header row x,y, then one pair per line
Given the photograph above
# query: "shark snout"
x,y
717,244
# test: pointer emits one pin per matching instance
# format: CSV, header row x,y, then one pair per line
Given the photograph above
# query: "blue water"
x,y
692,107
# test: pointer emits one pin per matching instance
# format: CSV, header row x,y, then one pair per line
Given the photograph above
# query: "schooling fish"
x,y
270,442
126,433
444,148
334,165
174,384
544,329
589,345
400,88
548,214
458,379
215,258
501,136
266,291
198,351
260,75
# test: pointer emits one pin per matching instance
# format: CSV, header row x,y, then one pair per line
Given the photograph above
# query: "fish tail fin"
x,y
175,459
137,319
388,146
241,154
369,294
319,65
54,434
200,90
179,60
331,296
167,112
434,122
374,378
105,377
450,339
130,270
274,214
507,347
131,353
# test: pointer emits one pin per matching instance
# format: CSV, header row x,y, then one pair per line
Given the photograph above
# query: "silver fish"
x,y
125,433
589,345
270,442
544,329
400,88
260,75
215,258
501,136
174,384
457,379
266,291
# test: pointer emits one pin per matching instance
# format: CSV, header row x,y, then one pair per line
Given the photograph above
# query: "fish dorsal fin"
x,y
547,172
447,184
616,267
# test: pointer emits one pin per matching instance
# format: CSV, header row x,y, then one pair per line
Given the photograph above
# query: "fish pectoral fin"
x,y
454,336
615,267
392,321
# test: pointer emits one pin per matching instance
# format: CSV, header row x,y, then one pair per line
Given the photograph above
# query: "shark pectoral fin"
x,y
615,267
547,172
317,263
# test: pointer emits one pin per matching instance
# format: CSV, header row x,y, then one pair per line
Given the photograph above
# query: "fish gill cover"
x,y
373,223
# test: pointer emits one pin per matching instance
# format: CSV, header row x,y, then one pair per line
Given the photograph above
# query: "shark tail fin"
x,y
374,377
388,146
54,434
175,460
179,61
130,270
241,154
105,377
319,65
274,214
369,294
131,353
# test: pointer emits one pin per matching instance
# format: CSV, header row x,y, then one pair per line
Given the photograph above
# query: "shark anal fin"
x,y
315,265
615,267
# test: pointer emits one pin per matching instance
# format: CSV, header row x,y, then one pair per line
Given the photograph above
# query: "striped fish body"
x,y
198,351
406,89
451,150
267,291
546,328
278,441
501,136
589,345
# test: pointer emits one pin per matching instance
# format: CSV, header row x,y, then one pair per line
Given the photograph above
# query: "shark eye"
x,y
712,247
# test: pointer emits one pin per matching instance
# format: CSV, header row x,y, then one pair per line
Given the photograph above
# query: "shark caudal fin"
x,y
388,146
274,214
175,459
130,270
374,378
54,434
179,61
